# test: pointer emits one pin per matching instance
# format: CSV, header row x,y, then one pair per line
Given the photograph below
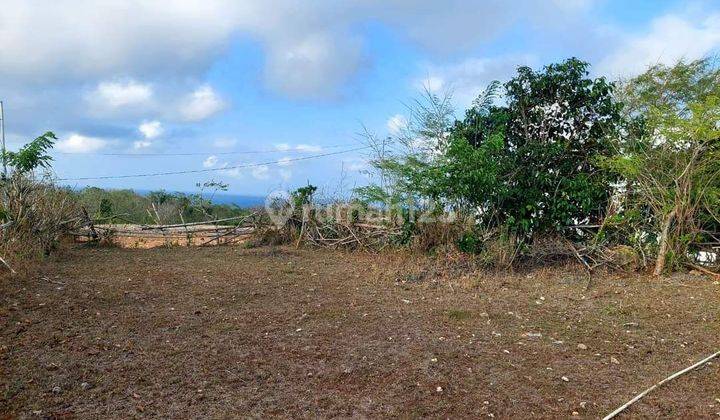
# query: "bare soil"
x,y
228,332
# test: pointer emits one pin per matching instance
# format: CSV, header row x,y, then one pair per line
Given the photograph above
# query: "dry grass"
x,y
194,332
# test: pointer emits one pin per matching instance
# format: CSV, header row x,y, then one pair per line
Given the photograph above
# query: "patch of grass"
x,y
329,313
459,314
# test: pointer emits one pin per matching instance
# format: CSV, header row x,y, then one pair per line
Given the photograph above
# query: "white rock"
x,y
582,346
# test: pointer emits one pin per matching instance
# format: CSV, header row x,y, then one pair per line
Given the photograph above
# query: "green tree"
x,y
534,166
33,155
670,155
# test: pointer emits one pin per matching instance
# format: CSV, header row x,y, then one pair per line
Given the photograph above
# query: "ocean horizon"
x,y
240,200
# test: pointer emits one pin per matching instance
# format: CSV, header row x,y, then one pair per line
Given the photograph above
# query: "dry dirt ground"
x,y
228,332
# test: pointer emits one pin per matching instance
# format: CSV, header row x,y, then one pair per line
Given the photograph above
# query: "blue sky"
x,y
289,79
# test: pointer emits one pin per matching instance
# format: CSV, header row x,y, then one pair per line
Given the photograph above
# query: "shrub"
x,y
35,213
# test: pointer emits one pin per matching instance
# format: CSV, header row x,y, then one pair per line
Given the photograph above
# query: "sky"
x,y
270,95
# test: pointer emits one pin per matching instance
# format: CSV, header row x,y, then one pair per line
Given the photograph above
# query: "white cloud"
x,y
285,174
117,94
234,173
203,103
309,148
670,38
82,39
285,161
225,143
355,165
396,124
433,84
261,172
76,143
311,48
312,66
142,144
210,162
151,129
302,148
468,78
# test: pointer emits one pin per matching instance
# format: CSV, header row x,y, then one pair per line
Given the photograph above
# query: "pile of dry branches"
x,y
210,232
36,213
339,234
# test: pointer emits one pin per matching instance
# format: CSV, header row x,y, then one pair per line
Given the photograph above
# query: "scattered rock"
x,y
575,414
583,404
532,335
56,390
85,386
582,346
439,389
614,361
565,379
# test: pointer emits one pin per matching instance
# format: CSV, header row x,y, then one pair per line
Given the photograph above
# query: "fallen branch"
x,y
704,270
668,379
49,280
7,265
208,222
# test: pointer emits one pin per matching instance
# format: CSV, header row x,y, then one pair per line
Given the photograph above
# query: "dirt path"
x,y
227,332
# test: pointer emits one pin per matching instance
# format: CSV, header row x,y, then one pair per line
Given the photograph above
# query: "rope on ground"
x,y
668,379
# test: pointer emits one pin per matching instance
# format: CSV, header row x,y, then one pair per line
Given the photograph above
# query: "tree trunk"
x,y
662,252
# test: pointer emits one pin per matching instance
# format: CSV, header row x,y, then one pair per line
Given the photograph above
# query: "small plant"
x,y
33,155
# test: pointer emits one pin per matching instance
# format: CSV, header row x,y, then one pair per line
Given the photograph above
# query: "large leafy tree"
x,y
528,165
543,148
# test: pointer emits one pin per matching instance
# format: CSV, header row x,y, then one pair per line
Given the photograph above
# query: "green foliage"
x,y
303,195
470,242
670,157
33,155
559,124
106,208
530,165
132,207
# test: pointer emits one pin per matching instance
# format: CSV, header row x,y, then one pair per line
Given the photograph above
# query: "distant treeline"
x,y
128,206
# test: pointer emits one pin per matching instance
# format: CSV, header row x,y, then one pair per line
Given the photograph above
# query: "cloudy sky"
x,y
137,87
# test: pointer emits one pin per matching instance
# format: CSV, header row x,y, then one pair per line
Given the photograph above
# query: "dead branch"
x,y
668,379
704,270
7,265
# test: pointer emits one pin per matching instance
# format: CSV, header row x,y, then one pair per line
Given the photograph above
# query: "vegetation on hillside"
x,y
157,207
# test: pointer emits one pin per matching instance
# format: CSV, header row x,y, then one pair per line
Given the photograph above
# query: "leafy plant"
x,y
33,155
670,156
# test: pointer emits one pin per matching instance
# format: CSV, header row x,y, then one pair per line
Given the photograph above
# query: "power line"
x,y
242,152
226,168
